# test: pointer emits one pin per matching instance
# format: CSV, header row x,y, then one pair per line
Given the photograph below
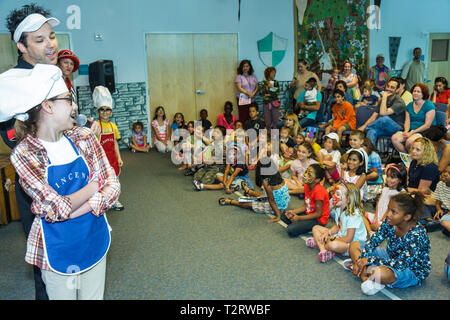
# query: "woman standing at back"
x,y
247,87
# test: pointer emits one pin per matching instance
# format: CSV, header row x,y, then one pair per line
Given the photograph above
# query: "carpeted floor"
x,y
171,242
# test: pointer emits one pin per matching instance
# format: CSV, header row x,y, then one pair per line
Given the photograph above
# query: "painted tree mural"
x,y
334,31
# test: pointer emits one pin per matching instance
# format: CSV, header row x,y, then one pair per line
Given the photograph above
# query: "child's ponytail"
x,y
411,203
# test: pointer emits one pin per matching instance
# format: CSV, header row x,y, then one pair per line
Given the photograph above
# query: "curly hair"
x,y
423,88
16,16
241,66
429,153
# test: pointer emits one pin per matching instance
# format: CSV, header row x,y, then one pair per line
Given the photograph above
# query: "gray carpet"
x,y
171,242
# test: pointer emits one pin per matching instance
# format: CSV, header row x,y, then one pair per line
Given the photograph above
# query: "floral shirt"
x,y
411,251
30,161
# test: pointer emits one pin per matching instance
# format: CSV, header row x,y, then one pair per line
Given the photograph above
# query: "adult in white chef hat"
x,y
32,31
50,160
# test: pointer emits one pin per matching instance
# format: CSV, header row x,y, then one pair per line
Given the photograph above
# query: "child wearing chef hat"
x,y
109,133
63,168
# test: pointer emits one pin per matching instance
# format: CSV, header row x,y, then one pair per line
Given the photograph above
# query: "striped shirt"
x,y
442,193
161,130
30,160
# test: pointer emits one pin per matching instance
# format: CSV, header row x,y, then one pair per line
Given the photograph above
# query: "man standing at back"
x,y
414,71
36,43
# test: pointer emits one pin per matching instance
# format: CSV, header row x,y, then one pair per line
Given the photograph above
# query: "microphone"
x,y
82,121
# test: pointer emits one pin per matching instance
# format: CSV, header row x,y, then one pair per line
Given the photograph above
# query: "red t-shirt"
x,y
442,97
318,193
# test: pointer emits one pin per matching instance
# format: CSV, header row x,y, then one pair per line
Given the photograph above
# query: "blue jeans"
x,y
383,126
307,122
404,278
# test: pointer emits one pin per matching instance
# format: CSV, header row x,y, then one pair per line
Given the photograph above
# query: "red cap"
x,y
63,54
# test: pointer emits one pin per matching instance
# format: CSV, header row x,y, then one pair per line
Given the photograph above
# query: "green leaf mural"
x,y
335,28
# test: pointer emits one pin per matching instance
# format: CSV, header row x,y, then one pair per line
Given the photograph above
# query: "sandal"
x,y
311,243
348,264
326,255
223,201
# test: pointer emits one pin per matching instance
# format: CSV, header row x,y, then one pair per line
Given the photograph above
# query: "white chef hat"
x,y
23,89
102,97
32,23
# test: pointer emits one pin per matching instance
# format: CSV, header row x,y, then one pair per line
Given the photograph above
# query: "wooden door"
x,y
190,72
215,71
438,50
171,74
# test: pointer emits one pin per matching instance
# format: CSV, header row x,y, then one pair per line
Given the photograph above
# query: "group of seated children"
x,y
333,184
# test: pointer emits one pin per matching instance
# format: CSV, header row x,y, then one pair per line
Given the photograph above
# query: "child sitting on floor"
x,y
230,180
374,178
347,209
442,197
284,164
405,262
329,157
139,138
396,176
305,158
317,204
178,123
275,196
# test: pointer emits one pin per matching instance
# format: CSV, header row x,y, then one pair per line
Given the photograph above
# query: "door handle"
x,y
200,92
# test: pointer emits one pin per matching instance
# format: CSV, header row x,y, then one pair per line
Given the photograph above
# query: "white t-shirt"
x,y
59,152
335,154
354,221
383,202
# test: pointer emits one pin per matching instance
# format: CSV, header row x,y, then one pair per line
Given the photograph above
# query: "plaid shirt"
x,y
30,160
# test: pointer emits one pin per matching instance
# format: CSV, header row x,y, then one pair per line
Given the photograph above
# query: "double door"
x,y
191,72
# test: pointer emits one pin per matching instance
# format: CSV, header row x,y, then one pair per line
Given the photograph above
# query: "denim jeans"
x,y
404,278
383,126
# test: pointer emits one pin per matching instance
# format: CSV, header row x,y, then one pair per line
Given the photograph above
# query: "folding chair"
x,y
441,107
441,118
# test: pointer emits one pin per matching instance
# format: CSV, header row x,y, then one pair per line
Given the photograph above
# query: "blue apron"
x,y
76,245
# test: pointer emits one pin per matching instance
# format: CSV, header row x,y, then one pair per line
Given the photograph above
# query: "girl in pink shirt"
x,y
227,119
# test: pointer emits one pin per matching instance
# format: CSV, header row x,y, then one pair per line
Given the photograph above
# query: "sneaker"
x,y
326,255
197,185
311,243
370,287
235,187
133,150
348,264
118,206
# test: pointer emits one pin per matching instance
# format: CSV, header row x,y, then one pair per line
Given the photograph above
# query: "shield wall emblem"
x,y
272,49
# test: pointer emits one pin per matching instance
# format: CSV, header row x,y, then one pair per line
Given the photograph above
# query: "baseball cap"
x,y
333,136
32,23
